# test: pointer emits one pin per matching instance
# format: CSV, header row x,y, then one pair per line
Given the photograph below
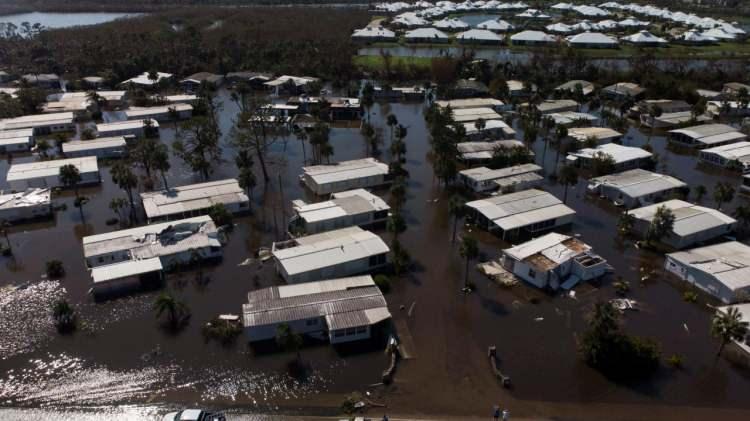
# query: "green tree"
x,y
246,177
288,340
71,177
160,162
43,146
469,250
117,204
220,215
700,191
198,146
602,164
728,326
561,132
661,224
568,177
456,207
64,316
723,193
176,311
54,269
123,176
392,122
480,125
625,224
396,224
742,214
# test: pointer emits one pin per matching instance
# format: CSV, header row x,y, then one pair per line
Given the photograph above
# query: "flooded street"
x,y
122,358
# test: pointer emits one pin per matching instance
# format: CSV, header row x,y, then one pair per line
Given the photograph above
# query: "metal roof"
x,y
485,150
178,200
548,251
7,134
30,197
689,218
124,125
638,182
352,202
137,113
29,170
479,35
93,144
345,170
592,38
532,36
457,104
710,133
619,153
327,249
728,263
344,302
484,173
520,209
426,33
739,151
36,120
125,269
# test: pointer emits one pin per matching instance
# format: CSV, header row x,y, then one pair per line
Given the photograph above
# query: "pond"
x,y
63,20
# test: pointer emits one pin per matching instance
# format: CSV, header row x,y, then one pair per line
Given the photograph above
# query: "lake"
x,y
63,20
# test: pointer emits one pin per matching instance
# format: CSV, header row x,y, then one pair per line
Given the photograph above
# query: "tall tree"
x,y
568,177
124,177
71,177
456,207
199,146
288,340
561,132
661,224
246,178
176,310
654,112
728,326
469,251
256,130
723,193
160,162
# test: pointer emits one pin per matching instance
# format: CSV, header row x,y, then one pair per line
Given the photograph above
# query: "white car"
x,y
193,415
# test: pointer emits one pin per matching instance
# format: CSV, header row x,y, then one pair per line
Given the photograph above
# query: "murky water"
x,y
122,358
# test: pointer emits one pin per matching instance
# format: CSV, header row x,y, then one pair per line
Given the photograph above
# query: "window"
x,y
311,322
361,330
532,273
338,333
350,331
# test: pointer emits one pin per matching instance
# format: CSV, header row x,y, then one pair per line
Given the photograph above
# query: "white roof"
x,y
345,170
644,37
456,104
123,125
450,23
29,197
13,134
471,127
589,38
462,115
125,269
8,141
495,25
409,19
486,174
619,153
426,33
93,144
638,182
155,240
351,202
581,134
178,200
711,133
559,28
137,113
549,245
689,218
296,80
533,36
143,79
739,151
485,150
480,35
36,120
328,249
374,32
520,209
570,117
718,33
695,36
29,170
728,263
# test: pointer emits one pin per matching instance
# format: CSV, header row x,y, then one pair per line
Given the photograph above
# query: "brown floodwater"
x,y
121,363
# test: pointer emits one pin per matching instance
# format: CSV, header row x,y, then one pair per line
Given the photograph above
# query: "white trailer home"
x,y
47,173
338,310
25,205
333,254
345,209
194,200
102,147
125,128
175,243
124,277
693,224
160,113
473,153
484,180
346,175
734,156
526,212
721,270
635,188
706,136
41,123
623,157
554,261
20,140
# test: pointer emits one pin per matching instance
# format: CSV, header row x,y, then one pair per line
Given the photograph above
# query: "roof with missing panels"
x,y
344,303
729,262
516,210
352,202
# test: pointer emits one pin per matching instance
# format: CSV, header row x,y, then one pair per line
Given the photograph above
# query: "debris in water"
x,y
539,319
685,326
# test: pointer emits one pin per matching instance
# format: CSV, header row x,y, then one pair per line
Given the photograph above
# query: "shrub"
x,y
675,361
64,316
221,330
55,269
690,296
220,215
384,283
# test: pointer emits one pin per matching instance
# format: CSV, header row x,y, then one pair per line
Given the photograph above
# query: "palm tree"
x,y
480,125
561,132
64,316
661,224
392,121
288,340
469,250
728,326
456,208
124,177
160,162
625,223
71,177
176,310
547,124
723,193
742,213
700,191
568,177
43,146
4,226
